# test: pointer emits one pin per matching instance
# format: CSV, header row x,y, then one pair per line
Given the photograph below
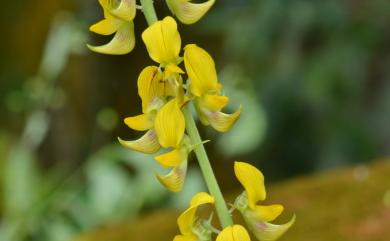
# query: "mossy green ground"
x,y
352,204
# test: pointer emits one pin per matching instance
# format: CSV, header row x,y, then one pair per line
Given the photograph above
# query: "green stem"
x,y
204,163
207,171
149,12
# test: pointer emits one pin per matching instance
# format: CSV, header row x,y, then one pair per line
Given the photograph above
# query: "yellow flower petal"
x,y
267,213
173,158
252,180
188,12
187,218
170,124
106,26
220,121
267,231
214,102
122,9
150,88
148,143
163,41
233,233
140,122
126,10
122,43
174,180
201,70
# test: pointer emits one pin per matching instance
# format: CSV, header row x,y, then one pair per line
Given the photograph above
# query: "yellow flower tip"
x,y
187,12
173,158
163,41
214,102
140,122
267,213
253,182
174,180
147,144
233,233
170,124
105,26
268,231
187,218
122,43
201,71
220,121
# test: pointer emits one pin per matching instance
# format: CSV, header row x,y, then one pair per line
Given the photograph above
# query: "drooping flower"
x,y
233,233
151,90
206,89
188,12
192,228
257,216
118,19
170,126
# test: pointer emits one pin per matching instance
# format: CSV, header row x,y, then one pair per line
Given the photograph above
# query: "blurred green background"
x,y
313,78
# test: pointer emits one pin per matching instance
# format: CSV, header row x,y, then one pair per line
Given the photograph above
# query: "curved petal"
x,y
174,180
173,158
267,231
253,181
123,9
233,233
220,121
140,122
201,70
188,12
106,26
163,41
122,43
150,87
267,213
148,143
187,218
170,124
126,10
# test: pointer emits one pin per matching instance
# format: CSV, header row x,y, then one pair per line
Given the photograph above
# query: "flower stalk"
x,y
207,171
200,152
148,11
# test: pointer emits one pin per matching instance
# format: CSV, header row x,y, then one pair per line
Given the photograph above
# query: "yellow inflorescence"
x,y
165,89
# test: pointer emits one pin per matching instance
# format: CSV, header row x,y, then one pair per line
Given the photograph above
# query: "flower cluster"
x,y
178,78
164,93
257,217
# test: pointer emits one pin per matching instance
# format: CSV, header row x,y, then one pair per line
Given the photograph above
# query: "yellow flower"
x,y
151,91
204,85
187,12
256,216
191,228
163,41
164,125
170,126
233,233
118,19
